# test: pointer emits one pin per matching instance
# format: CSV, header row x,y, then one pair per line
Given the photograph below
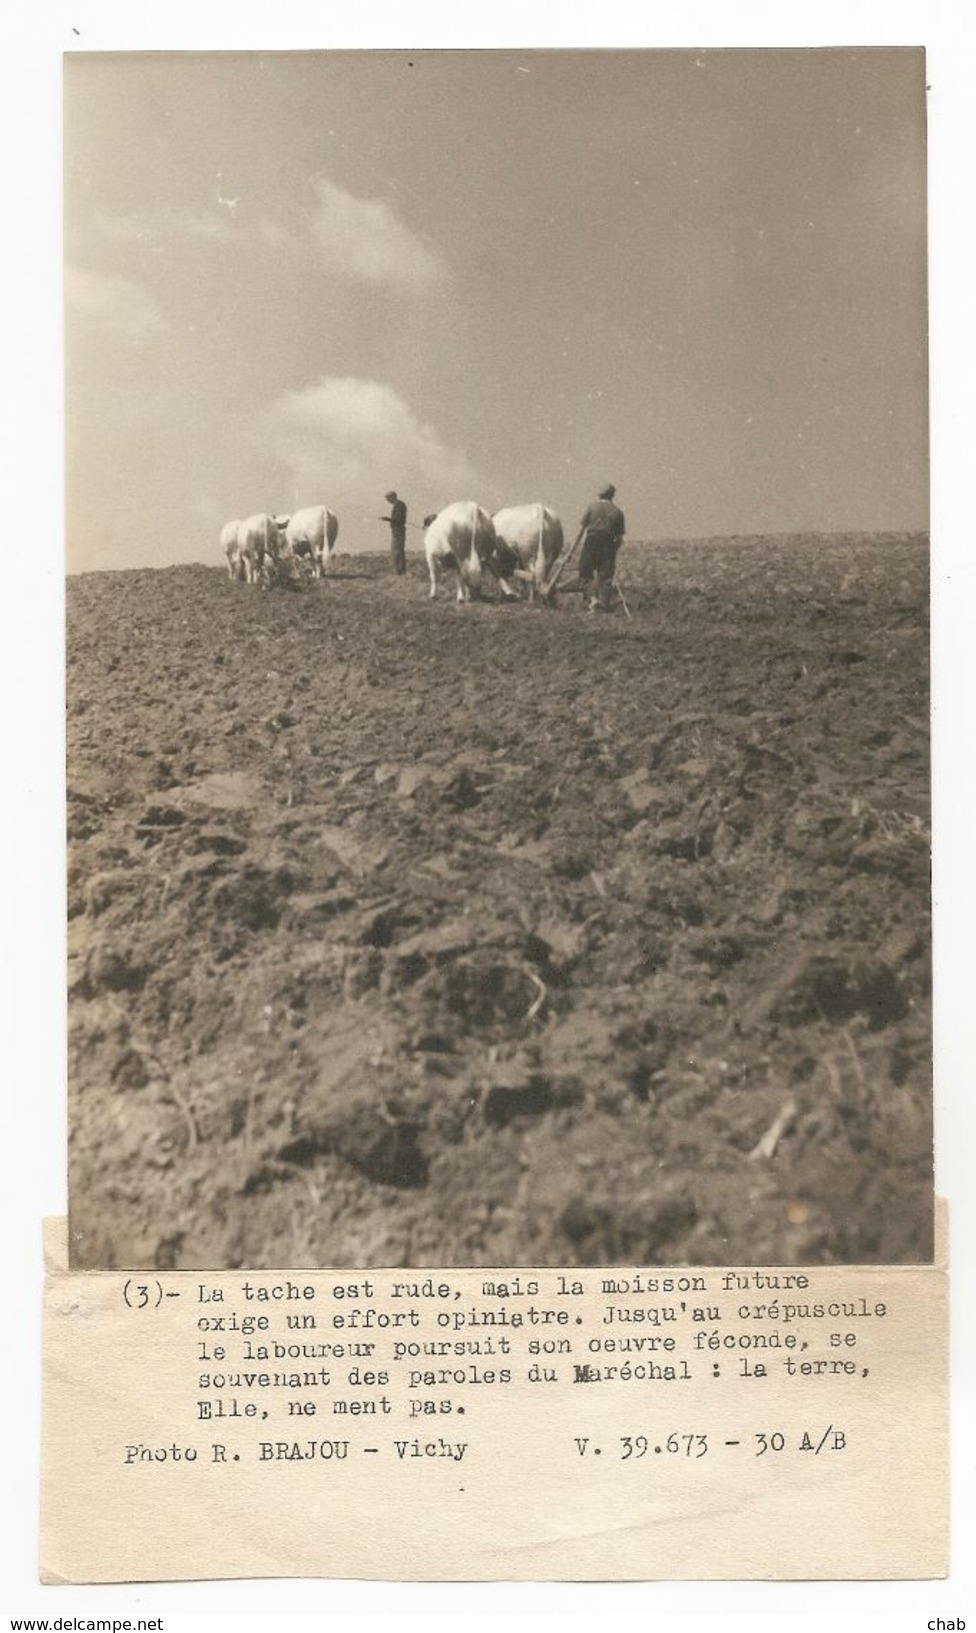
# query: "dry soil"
x,y
416,934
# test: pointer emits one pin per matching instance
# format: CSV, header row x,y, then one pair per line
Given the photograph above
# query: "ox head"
x,y
431,518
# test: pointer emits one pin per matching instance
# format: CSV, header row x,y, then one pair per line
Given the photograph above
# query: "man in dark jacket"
x,y
398,531
602,530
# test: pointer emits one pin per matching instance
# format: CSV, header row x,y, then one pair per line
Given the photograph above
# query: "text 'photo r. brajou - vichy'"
x,y
497,687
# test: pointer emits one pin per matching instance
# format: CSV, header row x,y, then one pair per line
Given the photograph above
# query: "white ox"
x,y
461,536
311,534
229,545
530,538
259,545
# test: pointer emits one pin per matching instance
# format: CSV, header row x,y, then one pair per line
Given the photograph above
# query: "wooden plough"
x,y
547,589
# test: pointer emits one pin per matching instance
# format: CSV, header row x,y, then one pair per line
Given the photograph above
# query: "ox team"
x,y
519,546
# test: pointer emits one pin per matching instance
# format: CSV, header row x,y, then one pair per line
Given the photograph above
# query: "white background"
x,y
32,1160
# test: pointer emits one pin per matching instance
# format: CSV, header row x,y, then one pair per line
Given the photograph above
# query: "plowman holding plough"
x,y
601,533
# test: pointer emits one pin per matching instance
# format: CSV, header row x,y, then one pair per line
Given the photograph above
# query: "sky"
x,y
308,277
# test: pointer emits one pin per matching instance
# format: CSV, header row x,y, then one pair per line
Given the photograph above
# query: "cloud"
x,y
364,238
114,305
349,440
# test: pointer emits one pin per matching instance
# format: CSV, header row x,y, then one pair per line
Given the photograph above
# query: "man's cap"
x,y
391,495
606,492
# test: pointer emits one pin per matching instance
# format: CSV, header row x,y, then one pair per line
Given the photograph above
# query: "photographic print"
x,y
497,658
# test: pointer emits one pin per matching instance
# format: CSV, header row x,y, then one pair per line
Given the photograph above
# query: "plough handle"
x,y
561,565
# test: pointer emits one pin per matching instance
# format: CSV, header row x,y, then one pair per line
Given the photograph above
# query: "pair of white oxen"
x,y
261,547
520,542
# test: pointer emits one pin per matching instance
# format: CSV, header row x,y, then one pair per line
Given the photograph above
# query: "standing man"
x,y
602,530
398,531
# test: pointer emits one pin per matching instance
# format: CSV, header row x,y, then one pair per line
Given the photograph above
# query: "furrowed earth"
x,y
415,934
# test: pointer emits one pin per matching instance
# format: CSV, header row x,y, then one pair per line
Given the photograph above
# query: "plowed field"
x,y
413,934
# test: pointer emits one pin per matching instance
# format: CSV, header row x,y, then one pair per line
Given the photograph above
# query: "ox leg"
x,y
469,579
432,569
537,589
512,580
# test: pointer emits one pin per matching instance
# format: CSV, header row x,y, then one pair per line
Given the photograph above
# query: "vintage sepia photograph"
x,y
497,658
